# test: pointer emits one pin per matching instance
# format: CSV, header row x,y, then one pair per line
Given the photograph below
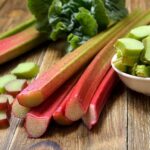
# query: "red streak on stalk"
x,y
100,98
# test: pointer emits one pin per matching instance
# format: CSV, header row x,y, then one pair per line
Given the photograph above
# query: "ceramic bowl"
x,y
138,84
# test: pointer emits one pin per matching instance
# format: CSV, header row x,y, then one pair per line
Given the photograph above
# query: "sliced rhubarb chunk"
x,y
140,32
146,55
26,70
15,86
120,66
100,98
4,80
131,50
42,114
9,97
10,101
3,102
142,71
18,110
4,122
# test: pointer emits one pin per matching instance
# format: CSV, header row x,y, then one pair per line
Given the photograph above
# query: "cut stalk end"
x,y
35,126
32,99
73,110
18,110
90,118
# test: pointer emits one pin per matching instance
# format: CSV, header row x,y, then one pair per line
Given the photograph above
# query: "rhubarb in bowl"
x,y
132,59
138,84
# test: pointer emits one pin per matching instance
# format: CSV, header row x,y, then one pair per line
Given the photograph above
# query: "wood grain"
x,y
124,122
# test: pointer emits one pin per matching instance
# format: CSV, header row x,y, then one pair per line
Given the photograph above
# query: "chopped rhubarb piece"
x,y
19,43
100,98
4,122
42,114
9,97
18,110
3,102
26,70
4,80
15,86
10,100
40,89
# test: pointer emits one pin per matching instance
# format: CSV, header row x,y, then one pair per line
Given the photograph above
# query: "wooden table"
x,y
123,125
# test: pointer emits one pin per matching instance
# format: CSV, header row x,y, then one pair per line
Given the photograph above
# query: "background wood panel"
x,y
124,122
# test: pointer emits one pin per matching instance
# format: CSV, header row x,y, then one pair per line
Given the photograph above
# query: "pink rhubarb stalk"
x,y
100,98
38,119
59,114
19,43
40,89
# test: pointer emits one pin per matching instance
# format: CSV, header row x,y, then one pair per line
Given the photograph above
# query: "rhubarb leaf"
x,y
39,9
87,22
116,9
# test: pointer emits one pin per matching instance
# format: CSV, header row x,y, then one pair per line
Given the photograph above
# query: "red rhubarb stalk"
x,y
100,98
38,119
40,89
19,43
59,114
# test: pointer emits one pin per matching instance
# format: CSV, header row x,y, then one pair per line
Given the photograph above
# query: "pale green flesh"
x,y
26,70
129,47
4,80
3,115
140,32
119,65
15,85
142,71
9,98
146,42
3,99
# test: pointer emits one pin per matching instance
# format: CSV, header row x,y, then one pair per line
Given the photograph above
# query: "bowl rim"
x,y
125,74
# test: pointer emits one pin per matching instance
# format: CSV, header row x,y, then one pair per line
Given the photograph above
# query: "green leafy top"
x,y
75,20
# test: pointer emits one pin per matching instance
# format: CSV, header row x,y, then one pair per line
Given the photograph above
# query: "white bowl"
x,y
138,84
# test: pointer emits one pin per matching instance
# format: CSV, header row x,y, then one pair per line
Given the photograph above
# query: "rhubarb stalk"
x,y
91,78
40,89
59,114
18,28
38,119
100,98
19,43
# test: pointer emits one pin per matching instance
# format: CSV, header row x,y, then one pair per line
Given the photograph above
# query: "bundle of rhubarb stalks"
x,y
70,90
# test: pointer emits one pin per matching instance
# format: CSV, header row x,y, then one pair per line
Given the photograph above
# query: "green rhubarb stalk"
x,y
18,28
46,84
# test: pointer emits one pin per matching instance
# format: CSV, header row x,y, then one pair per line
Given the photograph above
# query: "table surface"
x,y
123,125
